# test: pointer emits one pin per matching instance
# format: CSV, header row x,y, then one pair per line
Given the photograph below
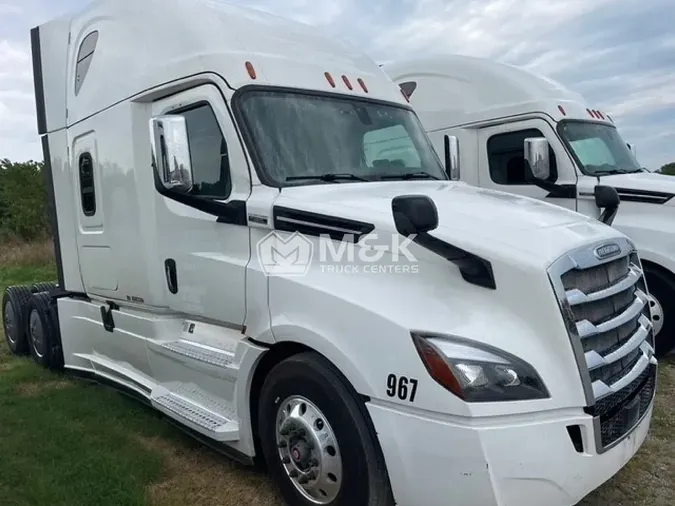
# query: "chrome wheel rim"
x,y
657,314
37,337
308,450
9,323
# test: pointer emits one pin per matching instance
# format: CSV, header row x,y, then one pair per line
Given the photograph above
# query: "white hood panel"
x,y
482,221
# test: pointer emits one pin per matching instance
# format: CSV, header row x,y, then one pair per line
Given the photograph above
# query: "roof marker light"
x,y
600,114
562,110
590,113
251,70
330,79
349,85
610,118
363,84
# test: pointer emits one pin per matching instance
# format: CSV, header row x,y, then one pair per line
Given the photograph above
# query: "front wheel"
x,y
316,438
662,288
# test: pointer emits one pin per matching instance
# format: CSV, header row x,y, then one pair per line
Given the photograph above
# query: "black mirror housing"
x,y
607,198
414,214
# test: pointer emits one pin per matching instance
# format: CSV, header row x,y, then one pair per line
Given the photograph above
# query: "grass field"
x,y
66,442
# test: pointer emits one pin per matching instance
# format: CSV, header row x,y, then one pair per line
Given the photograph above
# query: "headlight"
x,y
478,373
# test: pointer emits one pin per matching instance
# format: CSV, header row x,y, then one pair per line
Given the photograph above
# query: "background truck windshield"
x,y
306,137
599,148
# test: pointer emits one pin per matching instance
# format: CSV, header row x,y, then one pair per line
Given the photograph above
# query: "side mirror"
x,y
452,157
536,155
171,152
414,214
607,198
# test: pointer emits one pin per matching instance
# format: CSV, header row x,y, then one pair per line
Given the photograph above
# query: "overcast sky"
x,y
620,54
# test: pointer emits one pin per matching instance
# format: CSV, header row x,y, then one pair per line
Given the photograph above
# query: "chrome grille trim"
x,y
576,296
595,360
586,329
608,320
602,390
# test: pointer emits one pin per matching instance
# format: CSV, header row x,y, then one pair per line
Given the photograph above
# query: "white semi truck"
x,y
195,152
489,118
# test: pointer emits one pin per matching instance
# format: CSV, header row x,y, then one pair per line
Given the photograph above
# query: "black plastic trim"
x,y
563,191
644,196
243,122
46,155
408,88
233,212
38,85
315,224
51,210
474,269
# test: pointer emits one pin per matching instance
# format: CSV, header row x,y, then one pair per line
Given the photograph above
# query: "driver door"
x,y
501,161
203,238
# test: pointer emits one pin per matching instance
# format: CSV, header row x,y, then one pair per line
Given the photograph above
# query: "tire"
x,y
14,302
351,471
662,287
42,331
43,287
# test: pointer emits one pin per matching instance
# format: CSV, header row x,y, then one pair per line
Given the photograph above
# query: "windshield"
x,y
309,139
598,148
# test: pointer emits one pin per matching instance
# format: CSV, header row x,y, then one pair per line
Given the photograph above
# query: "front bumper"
x,y
505,461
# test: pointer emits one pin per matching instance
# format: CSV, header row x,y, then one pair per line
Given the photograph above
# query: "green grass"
x,y
66,442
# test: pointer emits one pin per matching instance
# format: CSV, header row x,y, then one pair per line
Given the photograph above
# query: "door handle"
x,y
171,275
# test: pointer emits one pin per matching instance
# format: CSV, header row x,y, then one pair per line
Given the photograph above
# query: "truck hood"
x,y
644,183
483,221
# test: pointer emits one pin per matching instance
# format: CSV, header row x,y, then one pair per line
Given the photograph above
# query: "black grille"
x,y
596,278
622,411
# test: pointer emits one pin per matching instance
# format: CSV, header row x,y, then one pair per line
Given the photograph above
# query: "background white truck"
x,y
490,109
513,366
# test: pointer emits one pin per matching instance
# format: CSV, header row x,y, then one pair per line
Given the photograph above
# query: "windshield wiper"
x,y
327,177
616,171
409,175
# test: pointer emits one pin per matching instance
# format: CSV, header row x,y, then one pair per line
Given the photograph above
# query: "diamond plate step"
x,y
206,354
208,422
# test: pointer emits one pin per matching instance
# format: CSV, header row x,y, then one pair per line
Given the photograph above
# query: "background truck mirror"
x,y
452,157
171,152
607,198
536,156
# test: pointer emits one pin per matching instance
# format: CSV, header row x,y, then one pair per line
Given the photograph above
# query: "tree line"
x,y
23,202
668,169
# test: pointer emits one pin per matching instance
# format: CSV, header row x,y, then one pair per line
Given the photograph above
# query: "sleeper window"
x,y
506,157
208,153
87,187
